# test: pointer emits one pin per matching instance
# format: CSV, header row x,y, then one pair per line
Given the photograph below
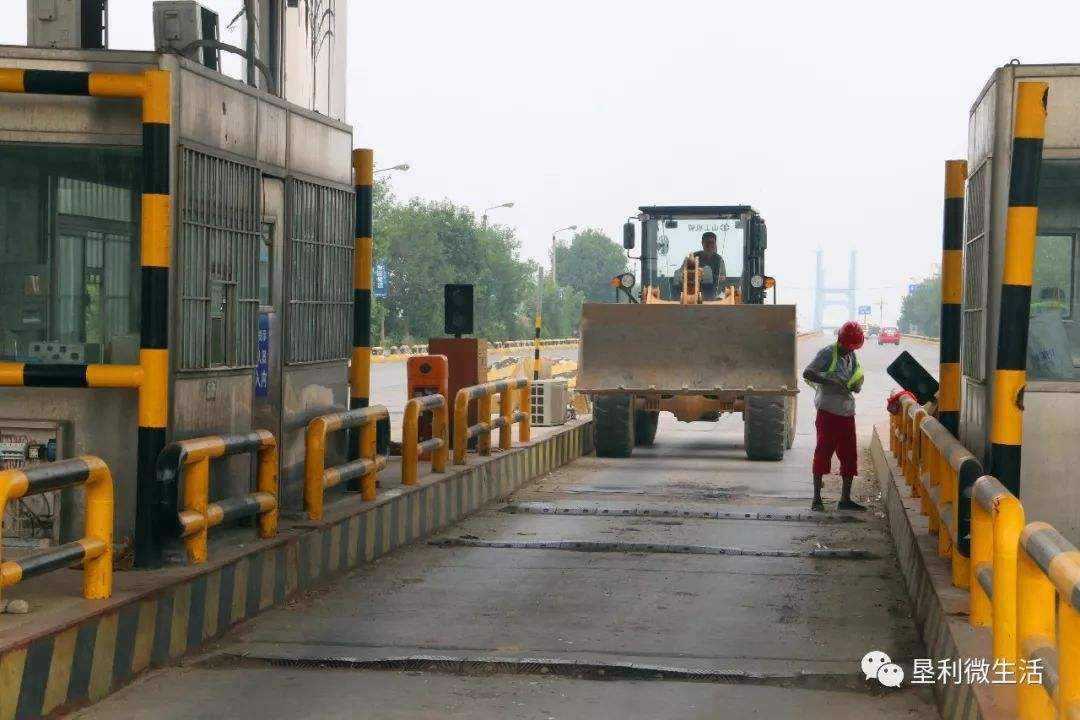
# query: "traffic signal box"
x,y
467,361
428,375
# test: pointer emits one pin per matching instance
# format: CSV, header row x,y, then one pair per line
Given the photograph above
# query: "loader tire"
x,y
613,425
645,422
792,421
765,427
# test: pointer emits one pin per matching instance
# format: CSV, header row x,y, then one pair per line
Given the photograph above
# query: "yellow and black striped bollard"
x,y
1006,430
952,283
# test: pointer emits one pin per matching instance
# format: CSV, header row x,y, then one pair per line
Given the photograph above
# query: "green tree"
x,y
428,244
561,311
920,311
588,263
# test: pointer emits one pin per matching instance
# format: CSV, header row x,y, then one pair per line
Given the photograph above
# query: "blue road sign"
x,y
381,280
262,366
865,310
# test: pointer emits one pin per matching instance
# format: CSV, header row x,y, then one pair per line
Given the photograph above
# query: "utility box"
x,y
549,399
79,24
178,23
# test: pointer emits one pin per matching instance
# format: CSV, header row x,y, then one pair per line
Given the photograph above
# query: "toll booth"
x,y
1049,482
259,271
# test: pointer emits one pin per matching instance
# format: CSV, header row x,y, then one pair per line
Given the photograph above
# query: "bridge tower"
x,y
828,296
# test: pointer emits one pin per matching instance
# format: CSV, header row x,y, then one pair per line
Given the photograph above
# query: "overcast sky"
x,y
833,119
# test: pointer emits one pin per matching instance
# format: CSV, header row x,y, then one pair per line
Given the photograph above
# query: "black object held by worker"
x,y
913,377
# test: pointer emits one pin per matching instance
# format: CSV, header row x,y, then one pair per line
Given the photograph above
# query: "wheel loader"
x,y
695,337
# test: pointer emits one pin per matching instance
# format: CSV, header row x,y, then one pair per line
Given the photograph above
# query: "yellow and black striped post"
x,y
360,369
154,332
539,323
1006,430
952,284
150,376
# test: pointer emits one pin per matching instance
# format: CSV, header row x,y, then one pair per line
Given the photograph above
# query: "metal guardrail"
x,y
483,393
1048,622
997,519
318,477
183,471
387,352
1024,581
438,445
95,550
941,473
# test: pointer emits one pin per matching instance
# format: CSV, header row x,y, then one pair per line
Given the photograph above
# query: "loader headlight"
x,y
627,280
757,281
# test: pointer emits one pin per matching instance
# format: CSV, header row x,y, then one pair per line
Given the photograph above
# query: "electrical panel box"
x,y
550,399
178,23
67,23
33,521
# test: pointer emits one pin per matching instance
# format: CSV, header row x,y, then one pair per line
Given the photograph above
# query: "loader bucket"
x,y
722,350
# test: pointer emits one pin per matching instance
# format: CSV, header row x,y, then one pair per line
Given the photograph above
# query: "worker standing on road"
x,y
835,374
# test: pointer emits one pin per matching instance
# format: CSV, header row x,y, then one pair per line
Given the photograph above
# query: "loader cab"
x,y
670,233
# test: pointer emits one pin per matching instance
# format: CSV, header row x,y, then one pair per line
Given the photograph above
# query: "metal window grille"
x,y
976,245
220,234
320,271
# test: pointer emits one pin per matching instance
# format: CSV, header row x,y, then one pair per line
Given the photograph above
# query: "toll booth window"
x,y
319,272
221,233
1054,335
69,253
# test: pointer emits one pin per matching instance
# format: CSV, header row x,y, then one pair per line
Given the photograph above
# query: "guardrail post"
x,y
461,426
439,429
506,412
100,509
196,489
368,487
525,428
267,482
410,431
483,411
1034,626
1008,524
980,608
315,467
1068,690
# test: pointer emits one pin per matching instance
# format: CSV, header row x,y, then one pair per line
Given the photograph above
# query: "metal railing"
x,y
1024,581
942,474
318,477
482,394
997,519
439,443
95,550
1048,622
183,476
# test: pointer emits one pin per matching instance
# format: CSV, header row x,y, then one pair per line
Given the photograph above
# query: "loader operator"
x,y
836,376
708,257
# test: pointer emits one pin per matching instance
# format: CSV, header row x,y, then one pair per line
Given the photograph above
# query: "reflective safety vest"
x,y
856,376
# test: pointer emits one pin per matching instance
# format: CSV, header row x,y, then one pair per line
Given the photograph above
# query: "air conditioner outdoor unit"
x,y
550,399
178,23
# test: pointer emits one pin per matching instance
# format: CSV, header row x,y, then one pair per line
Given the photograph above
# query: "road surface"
x,y
633,614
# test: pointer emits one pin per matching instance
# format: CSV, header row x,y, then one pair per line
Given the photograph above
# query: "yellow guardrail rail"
x,y
1024,581
483,394
318,477
438,445
941,473
997,519
1048,623
183,472
95,550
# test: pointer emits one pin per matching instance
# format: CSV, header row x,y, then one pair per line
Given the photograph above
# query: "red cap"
x,y
851,335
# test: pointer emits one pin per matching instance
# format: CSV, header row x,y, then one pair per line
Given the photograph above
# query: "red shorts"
x,y
835,434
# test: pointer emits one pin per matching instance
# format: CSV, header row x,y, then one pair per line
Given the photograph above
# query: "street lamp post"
x,y
483,223
553,245
403,167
